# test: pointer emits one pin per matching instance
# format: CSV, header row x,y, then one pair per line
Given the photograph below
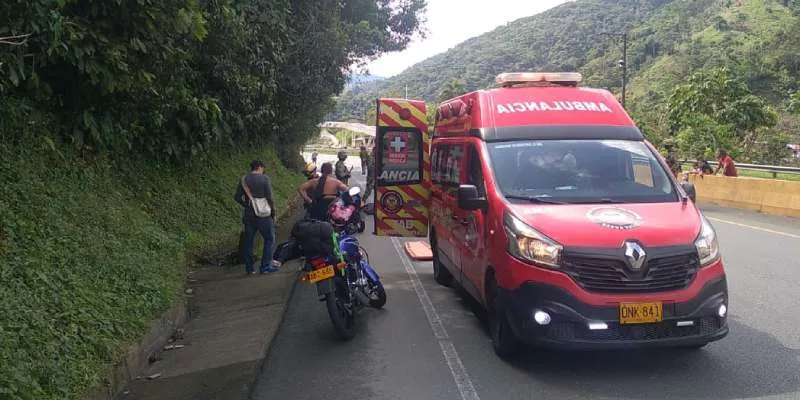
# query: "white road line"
x,y
460,375
725,221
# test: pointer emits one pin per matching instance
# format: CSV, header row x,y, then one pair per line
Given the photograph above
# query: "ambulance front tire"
x,y
440,274
504,342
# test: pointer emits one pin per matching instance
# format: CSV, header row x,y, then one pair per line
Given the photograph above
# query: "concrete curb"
x,y
138,355
137,358
294,210
259,369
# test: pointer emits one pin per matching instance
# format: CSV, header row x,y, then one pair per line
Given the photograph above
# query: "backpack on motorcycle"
x,y
314,237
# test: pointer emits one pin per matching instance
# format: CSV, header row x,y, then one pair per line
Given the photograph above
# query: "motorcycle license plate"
x,y
320,274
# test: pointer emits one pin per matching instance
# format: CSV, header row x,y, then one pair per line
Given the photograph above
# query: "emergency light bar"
x,y
560,78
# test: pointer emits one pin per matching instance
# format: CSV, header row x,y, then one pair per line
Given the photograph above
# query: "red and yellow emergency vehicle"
x,y
548,205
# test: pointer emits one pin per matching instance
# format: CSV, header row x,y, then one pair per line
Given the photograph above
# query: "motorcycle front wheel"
x,y
377,295
340,311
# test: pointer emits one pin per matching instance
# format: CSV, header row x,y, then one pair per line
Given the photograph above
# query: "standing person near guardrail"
x,y
254,193
314,158
701,166
726,164
672,162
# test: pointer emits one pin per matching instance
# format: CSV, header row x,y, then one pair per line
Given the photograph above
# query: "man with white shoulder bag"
x,y
254,193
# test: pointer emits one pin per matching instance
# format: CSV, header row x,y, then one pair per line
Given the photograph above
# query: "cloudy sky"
x,y
451,22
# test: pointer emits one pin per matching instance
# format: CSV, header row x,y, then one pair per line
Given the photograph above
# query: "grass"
x,y
92,250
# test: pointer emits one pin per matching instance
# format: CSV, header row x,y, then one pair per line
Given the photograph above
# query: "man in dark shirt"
x,y
673,163
260,187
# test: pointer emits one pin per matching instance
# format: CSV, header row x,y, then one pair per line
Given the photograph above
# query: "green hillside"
x,y
669,41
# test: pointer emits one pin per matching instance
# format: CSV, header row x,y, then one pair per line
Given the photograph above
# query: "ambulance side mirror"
x,y
469,199
688,187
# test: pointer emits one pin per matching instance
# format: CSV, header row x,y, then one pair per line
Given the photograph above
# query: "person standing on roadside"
x,y
342,172
314,158
364,160
254,194
726,164
370,176
673,163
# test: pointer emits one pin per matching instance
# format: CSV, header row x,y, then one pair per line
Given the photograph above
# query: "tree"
x,y
175,78
452,88
794,103
717,104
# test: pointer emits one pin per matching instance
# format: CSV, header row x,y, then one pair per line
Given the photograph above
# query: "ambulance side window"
x,y
453,167
438,161
475,174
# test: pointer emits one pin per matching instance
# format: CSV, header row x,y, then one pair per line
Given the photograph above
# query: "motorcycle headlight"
x,y
706,244
528,245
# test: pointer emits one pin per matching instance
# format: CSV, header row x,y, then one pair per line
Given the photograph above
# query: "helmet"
x,y
342,155
310,170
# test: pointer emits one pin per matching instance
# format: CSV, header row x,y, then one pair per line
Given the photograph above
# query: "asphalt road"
x,y
429,342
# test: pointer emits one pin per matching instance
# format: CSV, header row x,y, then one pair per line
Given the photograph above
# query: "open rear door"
x,y
402,186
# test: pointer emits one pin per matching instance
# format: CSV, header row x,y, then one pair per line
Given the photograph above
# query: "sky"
x,y
450,22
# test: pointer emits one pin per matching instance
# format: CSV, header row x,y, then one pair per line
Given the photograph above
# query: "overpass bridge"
x,y
364,134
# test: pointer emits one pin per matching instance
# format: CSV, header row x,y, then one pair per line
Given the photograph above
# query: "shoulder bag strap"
x,y
247,189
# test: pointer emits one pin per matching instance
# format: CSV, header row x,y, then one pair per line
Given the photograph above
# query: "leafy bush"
x,y
175,78
91,251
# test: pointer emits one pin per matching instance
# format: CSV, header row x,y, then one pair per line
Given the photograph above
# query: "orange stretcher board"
x,y
418,250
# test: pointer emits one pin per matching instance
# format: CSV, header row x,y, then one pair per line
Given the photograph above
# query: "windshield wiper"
x,y
604,200
541,200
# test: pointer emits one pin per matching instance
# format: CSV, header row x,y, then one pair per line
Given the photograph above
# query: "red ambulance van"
x,y
548,205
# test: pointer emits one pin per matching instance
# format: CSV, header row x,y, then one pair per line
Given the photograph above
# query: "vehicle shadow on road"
x,y
747,363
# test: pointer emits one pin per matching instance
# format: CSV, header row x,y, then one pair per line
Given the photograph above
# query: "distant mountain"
x,y
358,79
669,40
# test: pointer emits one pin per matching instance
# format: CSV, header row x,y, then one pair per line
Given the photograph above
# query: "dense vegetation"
x,y
125,125
752,44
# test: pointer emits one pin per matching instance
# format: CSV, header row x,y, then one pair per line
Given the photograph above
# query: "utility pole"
x,y
623,63
624,66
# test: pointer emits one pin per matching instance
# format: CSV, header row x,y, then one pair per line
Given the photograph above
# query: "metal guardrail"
x,y
773,169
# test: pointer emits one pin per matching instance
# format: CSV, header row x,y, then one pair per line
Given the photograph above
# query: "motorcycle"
x,y
344,213
339,266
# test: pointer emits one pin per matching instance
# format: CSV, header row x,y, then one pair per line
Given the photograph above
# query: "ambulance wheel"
x,y
440,274
504,342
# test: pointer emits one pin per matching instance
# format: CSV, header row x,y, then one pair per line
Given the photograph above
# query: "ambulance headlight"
x,y
706,244
530,246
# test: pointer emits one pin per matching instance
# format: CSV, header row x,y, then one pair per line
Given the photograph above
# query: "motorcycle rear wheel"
x,y
343,320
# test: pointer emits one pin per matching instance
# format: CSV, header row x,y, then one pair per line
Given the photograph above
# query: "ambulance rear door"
x,y
402,186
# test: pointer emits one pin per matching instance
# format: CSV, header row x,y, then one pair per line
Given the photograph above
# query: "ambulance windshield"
x,y
580,171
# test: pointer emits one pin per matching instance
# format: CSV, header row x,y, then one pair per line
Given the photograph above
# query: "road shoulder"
x,y
233,319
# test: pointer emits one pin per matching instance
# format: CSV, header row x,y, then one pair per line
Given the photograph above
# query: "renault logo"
x,y
635,255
